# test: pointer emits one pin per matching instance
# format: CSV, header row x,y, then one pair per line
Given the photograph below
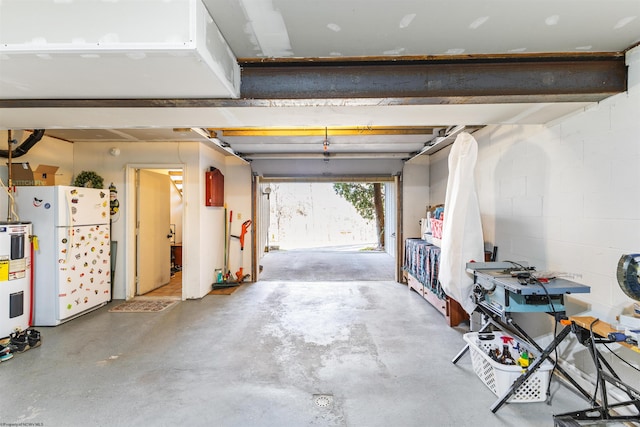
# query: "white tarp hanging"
x,y
462,239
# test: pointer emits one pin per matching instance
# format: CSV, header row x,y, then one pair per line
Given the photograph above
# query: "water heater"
x,y
15,277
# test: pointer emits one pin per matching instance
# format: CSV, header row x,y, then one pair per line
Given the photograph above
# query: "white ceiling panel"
x,y
359,28
86,50
169,118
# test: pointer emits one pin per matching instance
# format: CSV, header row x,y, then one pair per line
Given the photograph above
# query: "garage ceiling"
x,y
321,82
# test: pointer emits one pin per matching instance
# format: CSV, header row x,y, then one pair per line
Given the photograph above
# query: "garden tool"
x,y
240,276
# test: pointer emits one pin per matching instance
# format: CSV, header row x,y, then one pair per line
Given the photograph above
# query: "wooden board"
x,y
599,328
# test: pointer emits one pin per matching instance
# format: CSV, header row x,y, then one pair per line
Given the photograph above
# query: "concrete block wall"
x,y
564,197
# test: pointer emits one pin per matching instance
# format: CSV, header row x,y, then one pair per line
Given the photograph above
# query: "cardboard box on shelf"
x,y
23,175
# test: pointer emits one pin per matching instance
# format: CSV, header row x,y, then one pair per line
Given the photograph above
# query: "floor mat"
x,y
224,291
143,306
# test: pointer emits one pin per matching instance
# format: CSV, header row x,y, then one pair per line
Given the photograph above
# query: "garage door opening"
x,y
314,233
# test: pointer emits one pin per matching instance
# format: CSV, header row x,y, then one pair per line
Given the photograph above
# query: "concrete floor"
x,y
258,357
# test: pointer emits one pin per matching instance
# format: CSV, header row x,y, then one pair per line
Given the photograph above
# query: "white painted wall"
x,y
176,212
204,225
97,157
438,172
415,195
237,189
48,151
203,232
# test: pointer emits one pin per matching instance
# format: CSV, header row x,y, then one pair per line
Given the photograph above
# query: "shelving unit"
x,y
421,260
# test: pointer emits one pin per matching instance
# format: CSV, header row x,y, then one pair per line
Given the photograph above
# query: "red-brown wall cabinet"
x,y
214,188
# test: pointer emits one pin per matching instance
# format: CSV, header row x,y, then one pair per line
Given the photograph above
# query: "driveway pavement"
x,y
336,263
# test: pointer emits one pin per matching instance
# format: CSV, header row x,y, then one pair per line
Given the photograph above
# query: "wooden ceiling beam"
x,y
328,131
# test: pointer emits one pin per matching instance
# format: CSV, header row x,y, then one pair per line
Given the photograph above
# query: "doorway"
x,y
309,232
156,231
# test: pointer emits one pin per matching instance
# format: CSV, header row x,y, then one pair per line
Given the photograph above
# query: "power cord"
x,y
516,264
518,267
595,359
524,278
621,359
555,330
12,215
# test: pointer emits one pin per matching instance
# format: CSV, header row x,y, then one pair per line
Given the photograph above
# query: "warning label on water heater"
x,y
4,268
17,269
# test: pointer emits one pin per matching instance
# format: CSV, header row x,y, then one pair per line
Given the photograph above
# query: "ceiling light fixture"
x,y
213,138
267,191
202,132
438,143
325,144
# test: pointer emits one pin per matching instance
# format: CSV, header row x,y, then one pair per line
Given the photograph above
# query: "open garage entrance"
x,y
309,232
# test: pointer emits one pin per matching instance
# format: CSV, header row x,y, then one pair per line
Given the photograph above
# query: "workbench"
x,y
591,331
499,293
600,328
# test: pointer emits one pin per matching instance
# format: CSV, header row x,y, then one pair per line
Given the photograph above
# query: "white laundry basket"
x,y
499,377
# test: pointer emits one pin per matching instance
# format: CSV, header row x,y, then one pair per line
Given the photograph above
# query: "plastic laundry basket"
x,y
499,377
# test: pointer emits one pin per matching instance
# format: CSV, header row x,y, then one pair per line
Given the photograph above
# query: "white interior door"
x,y
153,236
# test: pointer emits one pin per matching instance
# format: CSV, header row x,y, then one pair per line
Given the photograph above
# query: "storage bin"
x,y
499,377
436,228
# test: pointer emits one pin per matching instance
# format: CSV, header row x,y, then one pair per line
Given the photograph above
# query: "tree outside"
x,y
368,199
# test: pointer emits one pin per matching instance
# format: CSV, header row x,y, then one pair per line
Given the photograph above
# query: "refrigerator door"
x,y
81,206
35,204
62,205
83,268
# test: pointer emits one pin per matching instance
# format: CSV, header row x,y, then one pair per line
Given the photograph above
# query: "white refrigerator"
x,y
72,261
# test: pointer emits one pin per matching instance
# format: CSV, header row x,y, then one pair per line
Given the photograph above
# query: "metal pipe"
x,y
9,179
23,148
